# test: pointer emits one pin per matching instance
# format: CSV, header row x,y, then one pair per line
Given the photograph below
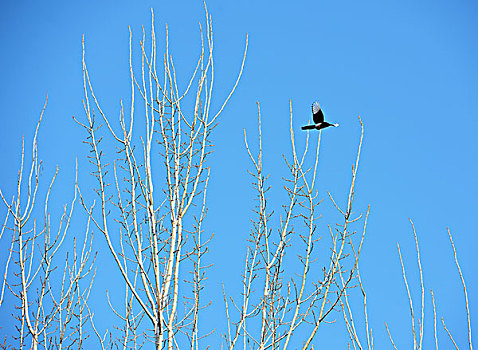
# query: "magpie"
x,y
318,117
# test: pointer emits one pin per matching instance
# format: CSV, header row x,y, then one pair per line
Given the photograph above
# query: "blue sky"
x,y
408,68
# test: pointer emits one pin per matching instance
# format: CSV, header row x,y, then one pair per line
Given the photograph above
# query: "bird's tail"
x,y
307,127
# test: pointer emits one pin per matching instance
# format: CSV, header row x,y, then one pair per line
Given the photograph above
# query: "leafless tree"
x,y
150,206
51,304
275,301
155,230
417,323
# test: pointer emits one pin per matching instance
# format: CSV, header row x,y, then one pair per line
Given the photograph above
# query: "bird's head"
x,y
336,124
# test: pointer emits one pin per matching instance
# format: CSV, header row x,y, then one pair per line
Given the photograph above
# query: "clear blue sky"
x,y
408,68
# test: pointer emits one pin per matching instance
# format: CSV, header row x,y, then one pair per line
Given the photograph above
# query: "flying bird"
x,y
318,117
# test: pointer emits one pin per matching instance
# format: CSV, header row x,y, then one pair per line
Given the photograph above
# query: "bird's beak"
x,y
337,124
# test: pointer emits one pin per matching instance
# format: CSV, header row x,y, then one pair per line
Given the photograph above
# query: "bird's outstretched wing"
x,y
318,116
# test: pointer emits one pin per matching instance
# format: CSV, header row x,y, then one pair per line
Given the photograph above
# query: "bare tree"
x,y
155,232
417,321
150,206
51,304
271,317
